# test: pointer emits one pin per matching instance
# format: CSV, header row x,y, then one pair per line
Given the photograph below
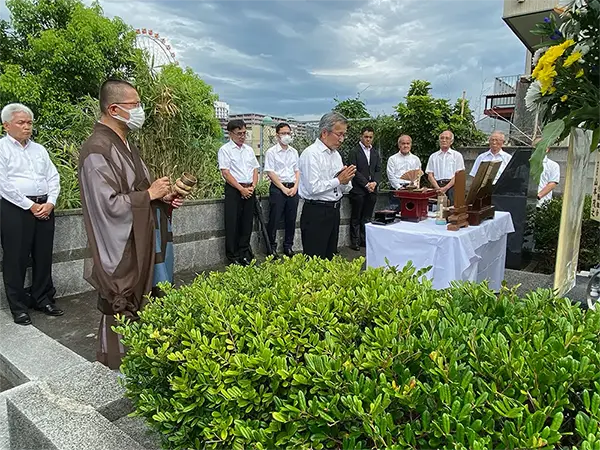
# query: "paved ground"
x,y
78,327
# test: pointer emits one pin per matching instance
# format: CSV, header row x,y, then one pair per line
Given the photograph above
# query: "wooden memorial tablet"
x,y
479,200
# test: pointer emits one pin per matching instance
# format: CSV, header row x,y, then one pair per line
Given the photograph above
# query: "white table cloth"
x,y
475,253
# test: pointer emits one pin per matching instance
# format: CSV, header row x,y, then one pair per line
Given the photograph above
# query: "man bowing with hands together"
x,y
323,181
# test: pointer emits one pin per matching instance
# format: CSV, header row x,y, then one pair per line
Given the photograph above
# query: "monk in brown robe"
x,y
126,216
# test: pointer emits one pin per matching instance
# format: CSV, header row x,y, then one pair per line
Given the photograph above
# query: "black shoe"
x,y
363,244
288,252
355,247
22,319
51,310
244,262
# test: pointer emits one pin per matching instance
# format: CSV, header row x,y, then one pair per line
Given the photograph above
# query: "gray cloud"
x,y
291,58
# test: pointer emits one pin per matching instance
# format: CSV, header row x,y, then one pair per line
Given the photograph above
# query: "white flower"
x,y
534,93
583,48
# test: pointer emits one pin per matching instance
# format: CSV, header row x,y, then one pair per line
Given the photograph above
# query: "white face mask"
x,y
286,139
136,120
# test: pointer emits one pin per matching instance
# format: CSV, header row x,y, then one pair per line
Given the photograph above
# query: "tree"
x,y
424,117
60,51
351,108
56,54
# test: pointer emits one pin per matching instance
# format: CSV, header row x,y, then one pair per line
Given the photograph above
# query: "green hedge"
x,y
544,225
319,354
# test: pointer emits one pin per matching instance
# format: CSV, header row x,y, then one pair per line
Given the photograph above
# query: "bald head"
x,y
116,91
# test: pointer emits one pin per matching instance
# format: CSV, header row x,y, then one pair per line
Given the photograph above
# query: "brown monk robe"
x,y
129,236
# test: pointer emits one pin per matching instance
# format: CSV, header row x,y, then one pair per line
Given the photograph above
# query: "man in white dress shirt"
x,y
281,166
239,168
443,165
495,153
548,180
402,162
323,181
29,186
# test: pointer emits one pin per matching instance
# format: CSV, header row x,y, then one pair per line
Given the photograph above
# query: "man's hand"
x,y
246,192
346,174
292,191
44,211
371,186
160,188
35,208
173,199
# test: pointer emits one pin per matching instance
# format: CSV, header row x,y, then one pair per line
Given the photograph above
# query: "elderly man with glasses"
x,y
239,168
29,187
443,165
495,153
323,181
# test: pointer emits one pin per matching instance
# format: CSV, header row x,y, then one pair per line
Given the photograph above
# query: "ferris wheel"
x,y
156,49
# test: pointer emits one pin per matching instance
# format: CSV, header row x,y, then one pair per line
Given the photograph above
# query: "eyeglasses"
x,y
239,133
135,104
339,135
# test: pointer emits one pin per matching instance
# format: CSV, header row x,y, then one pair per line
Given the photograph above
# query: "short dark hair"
x,y
112,91
282,125
235,124
367,128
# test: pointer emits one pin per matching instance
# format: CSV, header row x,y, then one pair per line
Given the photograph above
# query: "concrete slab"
x,y
94,385
138,430
4,431
28,354
41,419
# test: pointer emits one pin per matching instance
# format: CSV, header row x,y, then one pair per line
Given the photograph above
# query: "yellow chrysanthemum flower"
x,y
579,74
564,98
545,70
575,56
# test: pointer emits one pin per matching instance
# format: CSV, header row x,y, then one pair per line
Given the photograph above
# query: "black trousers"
x,y
23,235
239,219
320,227
281,205
449,192
362,212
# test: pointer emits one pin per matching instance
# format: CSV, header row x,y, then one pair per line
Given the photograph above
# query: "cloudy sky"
x,y
290,58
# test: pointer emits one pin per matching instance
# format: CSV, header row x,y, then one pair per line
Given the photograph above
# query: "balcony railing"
x,y
502,101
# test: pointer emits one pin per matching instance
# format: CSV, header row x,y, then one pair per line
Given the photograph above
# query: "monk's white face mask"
x,y
136,120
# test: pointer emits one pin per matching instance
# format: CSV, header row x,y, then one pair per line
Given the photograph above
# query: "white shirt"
x,y
26,171
489,156
550,174
444,165
366,151
318,168
398,165
241,161
284,162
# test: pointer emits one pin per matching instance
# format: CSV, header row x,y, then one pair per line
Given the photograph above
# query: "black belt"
x,y
334,205
288,185
442,183
246,185
39,199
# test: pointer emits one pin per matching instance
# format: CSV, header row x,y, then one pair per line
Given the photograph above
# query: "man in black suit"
x,y
363,195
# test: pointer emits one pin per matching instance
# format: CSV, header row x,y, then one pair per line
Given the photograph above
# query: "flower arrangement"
x,y
566,87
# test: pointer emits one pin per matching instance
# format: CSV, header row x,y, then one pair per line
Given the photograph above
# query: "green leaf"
x,y
595,139
279,417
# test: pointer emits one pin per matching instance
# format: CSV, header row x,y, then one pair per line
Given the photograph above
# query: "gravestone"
x,y
510,195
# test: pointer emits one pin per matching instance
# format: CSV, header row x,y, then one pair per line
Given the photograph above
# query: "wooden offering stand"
x,y
479,200
414,203
458,217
